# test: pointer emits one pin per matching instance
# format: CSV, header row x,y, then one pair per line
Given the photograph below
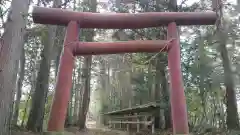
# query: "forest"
x,y
125,84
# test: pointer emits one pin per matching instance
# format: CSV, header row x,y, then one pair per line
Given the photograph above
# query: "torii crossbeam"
x,y
73,47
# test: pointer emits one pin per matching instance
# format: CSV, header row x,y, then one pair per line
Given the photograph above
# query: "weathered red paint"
x,y
97,48
177,96
64,81
58,16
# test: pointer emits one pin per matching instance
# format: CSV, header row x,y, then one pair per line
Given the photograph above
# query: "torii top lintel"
x,y
56,16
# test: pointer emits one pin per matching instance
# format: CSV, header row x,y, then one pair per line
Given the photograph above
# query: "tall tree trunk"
x,y
81,91
124,79
164,83
77,95
25,108
10,52
32,79
36,116
232,112
71,104
231,104
75,90
165,96
58,46
102,80
157,92
201,79
19,87
87,72
150,82
86,93
35,119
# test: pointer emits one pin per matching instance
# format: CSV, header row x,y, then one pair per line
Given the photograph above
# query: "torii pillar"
x,y
72,48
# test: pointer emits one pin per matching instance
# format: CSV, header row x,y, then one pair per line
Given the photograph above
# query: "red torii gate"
x,y
73,47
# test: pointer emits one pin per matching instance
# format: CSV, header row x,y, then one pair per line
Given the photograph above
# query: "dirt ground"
x,y
74,131
92,130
